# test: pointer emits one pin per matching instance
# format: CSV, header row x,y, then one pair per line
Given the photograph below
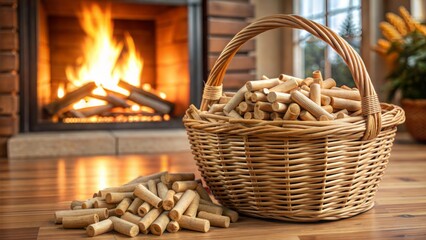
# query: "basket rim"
x,y
353,127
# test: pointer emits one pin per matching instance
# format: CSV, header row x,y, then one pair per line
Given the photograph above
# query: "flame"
x,y
106,61
61,91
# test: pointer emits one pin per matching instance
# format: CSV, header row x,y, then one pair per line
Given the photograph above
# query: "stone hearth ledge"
x,y
84,143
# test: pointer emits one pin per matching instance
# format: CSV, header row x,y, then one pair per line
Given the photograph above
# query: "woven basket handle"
x,y
370,103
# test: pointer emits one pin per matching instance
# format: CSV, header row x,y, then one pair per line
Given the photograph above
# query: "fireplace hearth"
x,y
151,71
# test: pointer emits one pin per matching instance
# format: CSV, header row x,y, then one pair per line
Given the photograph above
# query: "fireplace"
x,y
115,64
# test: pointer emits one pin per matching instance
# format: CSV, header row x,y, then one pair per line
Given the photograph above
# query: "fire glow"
x,y
110,64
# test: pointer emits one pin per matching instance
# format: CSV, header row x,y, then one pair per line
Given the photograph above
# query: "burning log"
x,y
146,98
70,98
158,106
113,99
97,110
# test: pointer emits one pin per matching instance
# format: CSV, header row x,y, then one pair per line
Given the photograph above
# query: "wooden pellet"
x,y
102,204
162,190
194,224
160,224
211,208
89,203
124,227
233,215
328,83
350,105
181,206
278,97
182,186
99,228
285,87
149,218
133,208
214,219
168,201
173,226
191,211
292,112
145,194
79,221
116,197
309,105
144,208
102,213
259,84
76,203
131,218
123,206
203,193
315,93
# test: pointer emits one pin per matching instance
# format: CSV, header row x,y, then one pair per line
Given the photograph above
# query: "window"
x,y
343,17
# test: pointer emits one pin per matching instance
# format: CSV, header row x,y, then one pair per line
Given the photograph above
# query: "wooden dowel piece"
x,y
144,208
182,186
214,219
246,107
284,77
124,227
292,112
152,187
233,114
194,224
279,107
177,196
285,87
76,203
191,211
102,204
102,213
160,224
122,206
162,190
248,115
131,218
133,208
261,115
235,100
203,193
264,106
350,105
258,96
247,96
100,227
79,221
173,227
173,177
224,100
307,81
149,218
181,206
216,108
325,100
328,108
276,116
315,93
259,84
317,76
211,208
168,201
116,197
346,94
233,215
328,83
112,212
145,194
306,116
278,97
89,203
309,105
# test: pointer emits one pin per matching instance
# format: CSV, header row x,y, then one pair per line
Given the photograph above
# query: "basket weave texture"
x,y
416,118
294,170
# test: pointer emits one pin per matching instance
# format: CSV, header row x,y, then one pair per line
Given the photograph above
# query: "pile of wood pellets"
x,y
290,98
150,204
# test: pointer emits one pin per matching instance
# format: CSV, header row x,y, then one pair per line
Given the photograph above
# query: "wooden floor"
x,y
31,190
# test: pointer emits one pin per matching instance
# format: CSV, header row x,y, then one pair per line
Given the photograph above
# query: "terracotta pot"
x,y
415,113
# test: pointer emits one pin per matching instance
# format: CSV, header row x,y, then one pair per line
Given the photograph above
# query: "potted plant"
x,y
405,50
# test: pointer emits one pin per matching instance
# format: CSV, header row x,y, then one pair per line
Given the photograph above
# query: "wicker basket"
x,y
293,170
416,117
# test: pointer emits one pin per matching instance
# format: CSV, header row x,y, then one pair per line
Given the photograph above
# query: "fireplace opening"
x,y
110,64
